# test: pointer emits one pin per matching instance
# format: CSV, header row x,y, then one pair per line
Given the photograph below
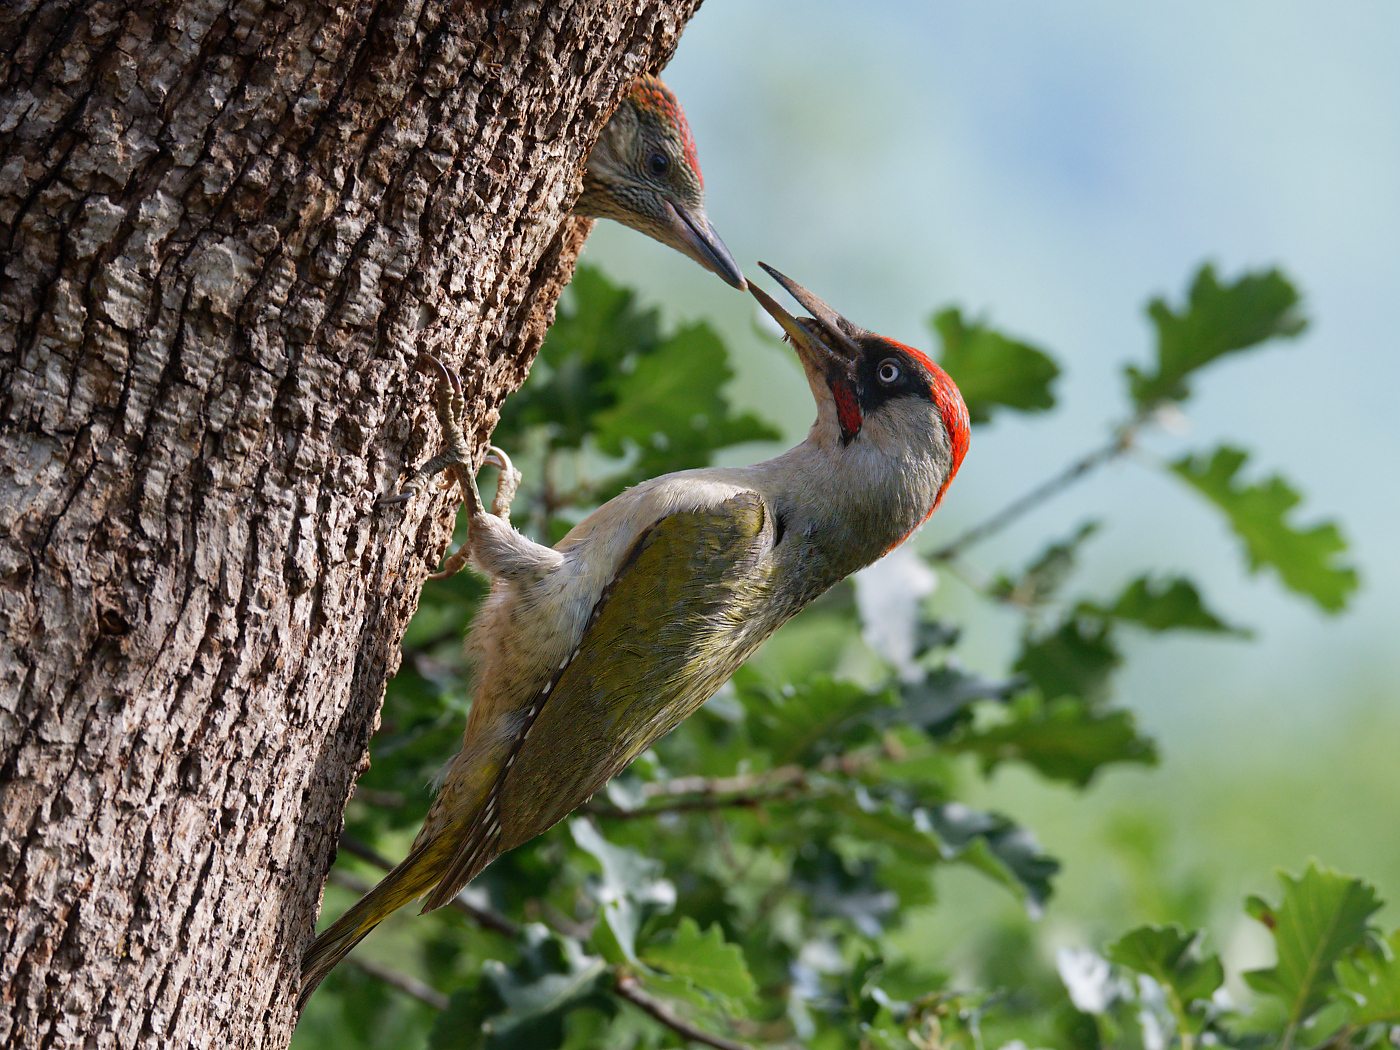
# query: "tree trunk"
x,y
227,230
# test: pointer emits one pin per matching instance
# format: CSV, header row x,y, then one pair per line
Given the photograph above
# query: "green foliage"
x,y
525,1006
1369,983
802,723
1321,919
992,370
630,891
1335,982
944,700
1074,660
1216,320
1169,957
1305,559
670,409
1165,605
1063,739
997,847
701,963
748,877
1042,579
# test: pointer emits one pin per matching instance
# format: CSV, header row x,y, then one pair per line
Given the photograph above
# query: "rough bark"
x,y
227,230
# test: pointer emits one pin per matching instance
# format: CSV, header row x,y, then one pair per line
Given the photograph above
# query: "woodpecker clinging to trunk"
x,y
644,173
587,652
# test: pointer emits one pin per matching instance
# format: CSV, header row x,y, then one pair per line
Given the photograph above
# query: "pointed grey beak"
x,y
699,240
819,339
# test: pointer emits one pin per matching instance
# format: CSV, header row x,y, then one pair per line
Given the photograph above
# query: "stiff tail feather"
x,y
418,872
460,837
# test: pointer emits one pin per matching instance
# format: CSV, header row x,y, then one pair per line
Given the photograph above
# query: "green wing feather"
x,y
677,620
685,609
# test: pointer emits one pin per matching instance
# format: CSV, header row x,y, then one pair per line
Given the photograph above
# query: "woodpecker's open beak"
x,y
820,340
698,239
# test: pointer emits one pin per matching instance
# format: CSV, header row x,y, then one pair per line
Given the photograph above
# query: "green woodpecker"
x,y
644,173
587,652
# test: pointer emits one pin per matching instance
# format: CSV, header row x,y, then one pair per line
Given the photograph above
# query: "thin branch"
x,y
738,792
403,982
627,987
482,916
735,785
1121,442
745,791
693,805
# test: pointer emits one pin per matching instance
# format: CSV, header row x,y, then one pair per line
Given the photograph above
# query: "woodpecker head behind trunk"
x,y
894,420
643,172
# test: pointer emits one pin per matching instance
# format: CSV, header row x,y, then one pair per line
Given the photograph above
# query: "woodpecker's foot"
x,y
456,454
455,563
506,487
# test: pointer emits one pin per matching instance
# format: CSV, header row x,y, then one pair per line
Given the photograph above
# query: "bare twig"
x,y
627,987
708,794
403,982
1122,441
735,785
746,791
482,916
692,805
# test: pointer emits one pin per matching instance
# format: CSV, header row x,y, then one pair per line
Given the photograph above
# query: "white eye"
x,y
889,372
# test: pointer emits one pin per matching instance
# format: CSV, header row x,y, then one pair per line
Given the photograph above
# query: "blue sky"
x,y
1052,167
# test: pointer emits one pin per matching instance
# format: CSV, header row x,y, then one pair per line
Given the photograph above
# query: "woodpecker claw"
x,y
456,459
445,375
506,485
456,454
